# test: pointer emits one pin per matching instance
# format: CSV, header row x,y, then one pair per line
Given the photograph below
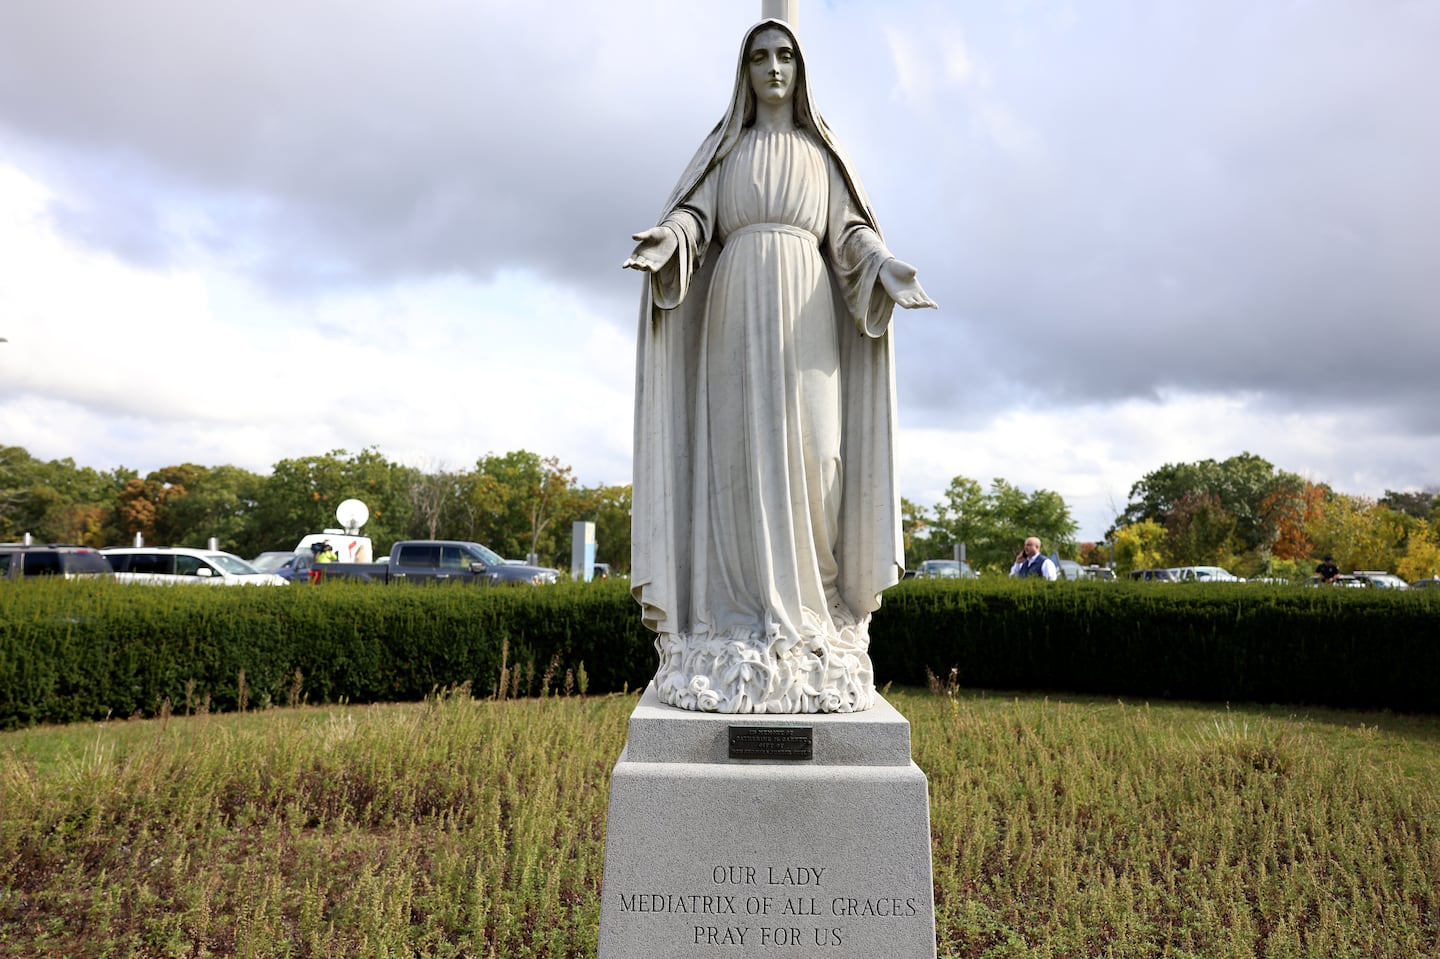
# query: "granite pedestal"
x,y
710,855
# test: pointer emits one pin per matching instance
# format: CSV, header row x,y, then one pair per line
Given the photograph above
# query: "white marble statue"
x,y
766,515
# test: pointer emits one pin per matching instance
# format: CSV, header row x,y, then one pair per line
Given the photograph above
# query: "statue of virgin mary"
x,y
766,519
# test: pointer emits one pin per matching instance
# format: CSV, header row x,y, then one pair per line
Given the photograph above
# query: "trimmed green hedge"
x,y
78,651
1349,648
84,650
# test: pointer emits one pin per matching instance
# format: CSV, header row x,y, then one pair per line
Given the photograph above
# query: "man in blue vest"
x,y
1031,563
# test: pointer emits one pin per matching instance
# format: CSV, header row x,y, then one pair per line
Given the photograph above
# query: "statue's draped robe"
x,y
766,517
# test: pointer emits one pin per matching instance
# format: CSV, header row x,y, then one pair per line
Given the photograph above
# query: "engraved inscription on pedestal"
x,y
772,742
757,904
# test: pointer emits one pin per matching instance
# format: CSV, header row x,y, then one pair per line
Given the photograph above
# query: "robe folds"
x,y
766,519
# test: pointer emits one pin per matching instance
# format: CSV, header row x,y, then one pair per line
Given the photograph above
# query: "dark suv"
x,y
51,559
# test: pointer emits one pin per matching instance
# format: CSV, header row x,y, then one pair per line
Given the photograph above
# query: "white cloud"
x,y
158,366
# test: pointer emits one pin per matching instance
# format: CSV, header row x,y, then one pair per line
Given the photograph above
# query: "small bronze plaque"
x,y
772,742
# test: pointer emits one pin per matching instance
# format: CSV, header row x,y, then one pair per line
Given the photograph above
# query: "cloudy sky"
x,y
239,231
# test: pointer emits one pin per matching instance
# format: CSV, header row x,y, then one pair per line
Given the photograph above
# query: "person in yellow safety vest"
x,y
327,554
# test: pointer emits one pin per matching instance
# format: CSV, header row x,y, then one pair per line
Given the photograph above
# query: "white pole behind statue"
x,y
787,10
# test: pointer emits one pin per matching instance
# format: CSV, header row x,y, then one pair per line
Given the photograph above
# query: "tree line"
x,y
1246,515
1241,513
517,503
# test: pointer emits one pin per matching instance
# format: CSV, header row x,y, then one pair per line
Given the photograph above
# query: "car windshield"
x,y
486,555
269,562
231,564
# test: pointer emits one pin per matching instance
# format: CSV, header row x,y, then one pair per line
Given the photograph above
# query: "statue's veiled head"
x,y
772,68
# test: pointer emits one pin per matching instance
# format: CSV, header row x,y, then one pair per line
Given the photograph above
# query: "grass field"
x,y
457,827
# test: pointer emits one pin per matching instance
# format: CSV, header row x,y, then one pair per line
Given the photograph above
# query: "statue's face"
x,y
772,65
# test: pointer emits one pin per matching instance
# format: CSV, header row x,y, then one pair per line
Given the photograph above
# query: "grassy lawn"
x,y
1061,827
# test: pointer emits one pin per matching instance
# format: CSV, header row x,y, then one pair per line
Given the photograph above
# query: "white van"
x,y
178,565
349,547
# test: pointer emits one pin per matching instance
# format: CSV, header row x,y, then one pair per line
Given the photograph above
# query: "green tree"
x,y
1422,553
50,517
221,502
1247,487
12,460
1417,503
1359,533
150,506
514,501
57,501
992,523
1139,546
963,516
1042,513
300,496
1199,531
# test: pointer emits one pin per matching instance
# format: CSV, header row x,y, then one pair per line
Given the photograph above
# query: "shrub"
x,y
76,651
1350,648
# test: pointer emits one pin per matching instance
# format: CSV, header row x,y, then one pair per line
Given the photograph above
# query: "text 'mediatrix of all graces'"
x,y
767,906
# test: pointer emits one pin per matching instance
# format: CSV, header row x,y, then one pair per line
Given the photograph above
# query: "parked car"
x,y
1205,574
294,566
1073,571
179,565
946,569
1344,579
1379,579
18,560
1430,583
1155,576
441,561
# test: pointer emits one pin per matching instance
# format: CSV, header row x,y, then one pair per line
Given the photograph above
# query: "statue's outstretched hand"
x,y
898,278
656,246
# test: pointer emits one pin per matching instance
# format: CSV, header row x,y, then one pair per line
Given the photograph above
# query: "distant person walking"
x,y
1029,562
1327,570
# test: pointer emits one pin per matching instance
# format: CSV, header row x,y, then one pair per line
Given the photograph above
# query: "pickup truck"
x,y
441,561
